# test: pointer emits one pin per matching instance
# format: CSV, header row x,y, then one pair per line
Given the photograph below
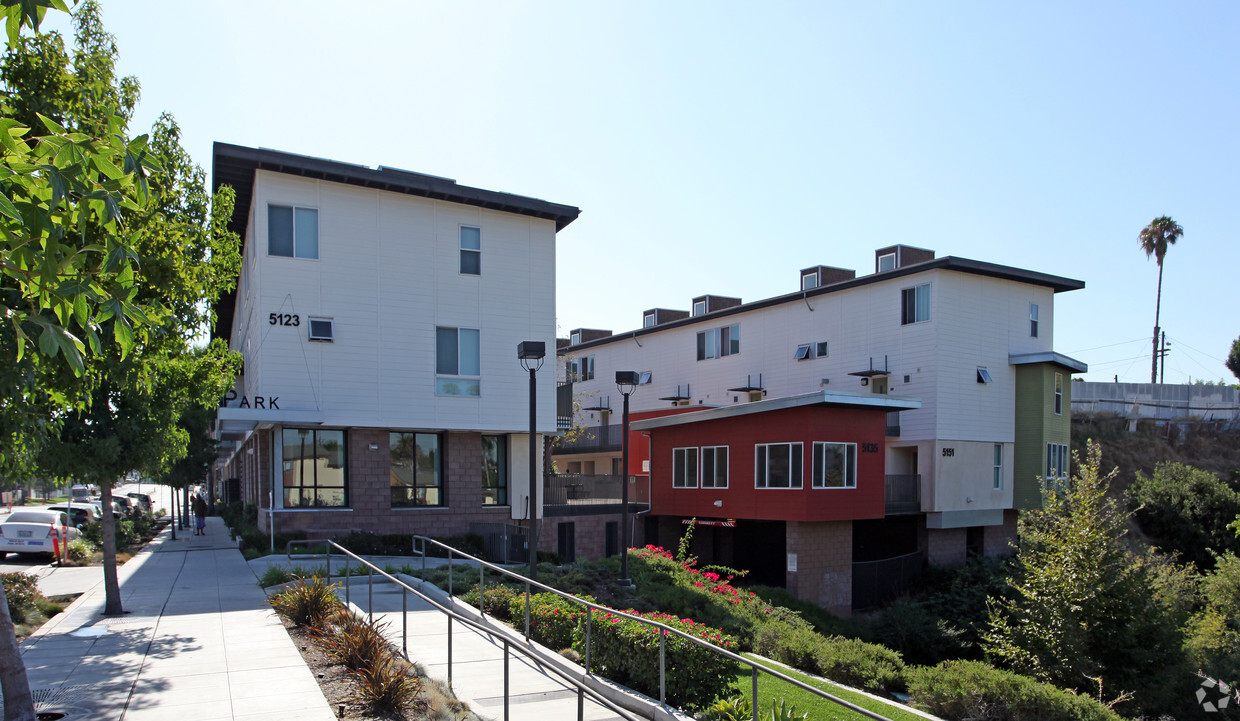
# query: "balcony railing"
x,y
571,494
903,494
564,405
592,439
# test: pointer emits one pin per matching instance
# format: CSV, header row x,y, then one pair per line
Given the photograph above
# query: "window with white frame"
x,y
644,378
778,465
719,342
684,468
292,232
835,465
648,320
809,281
1059,394
886,262
715,467
1033,320
699,307
574,339
998,469
803,352
471,250
458,363
915,304
1056,461
820,349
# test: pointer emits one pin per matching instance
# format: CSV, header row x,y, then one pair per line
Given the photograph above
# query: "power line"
x,y
1112,345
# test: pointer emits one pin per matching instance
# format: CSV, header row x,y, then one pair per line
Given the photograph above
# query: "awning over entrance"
x,y
234,425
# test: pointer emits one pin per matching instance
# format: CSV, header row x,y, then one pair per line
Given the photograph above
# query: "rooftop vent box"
x,y
821,275
704,304
898,256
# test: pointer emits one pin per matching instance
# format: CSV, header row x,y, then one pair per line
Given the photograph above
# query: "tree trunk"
x,y
1157,309
18,702
111,586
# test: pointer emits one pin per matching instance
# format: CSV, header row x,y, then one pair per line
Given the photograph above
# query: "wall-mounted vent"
x,y
321,330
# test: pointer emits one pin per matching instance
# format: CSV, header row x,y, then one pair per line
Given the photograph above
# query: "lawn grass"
x,y
819,709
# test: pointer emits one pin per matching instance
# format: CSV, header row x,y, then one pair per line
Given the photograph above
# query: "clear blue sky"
x,y
719,147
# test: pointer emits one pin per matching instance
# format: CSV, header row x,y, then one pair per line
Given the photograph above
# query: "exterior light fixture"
x,y
626,383
530,353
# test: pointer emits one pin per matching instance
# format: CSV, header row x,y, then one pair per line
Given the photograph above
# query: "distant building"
x,y
378,312
832,437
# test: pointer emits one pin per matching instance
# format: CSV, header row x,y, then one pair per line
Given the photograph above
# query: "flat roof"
x,y
835,399
1071,364
1056,283
235,166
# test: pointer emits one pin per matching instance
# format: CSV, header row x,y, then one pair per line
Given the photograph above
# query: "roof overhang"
x,y
832,399
1058,359
234,425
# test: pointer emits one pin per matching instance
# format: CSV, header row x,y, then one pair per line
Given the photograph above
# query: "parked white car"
x,y
79,513
31,531
118,511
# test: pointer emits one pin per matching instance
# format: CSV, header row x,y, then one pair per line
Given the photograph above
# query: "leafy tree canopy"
x,y
1186,511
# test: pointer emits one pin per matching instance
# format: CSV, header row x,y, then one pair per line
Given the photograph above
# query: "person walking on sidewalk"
x,y
200,515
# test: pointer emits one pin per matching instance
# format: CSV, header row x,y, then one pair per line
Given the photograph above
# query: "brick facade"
x,y
1001,540
946,546
824,564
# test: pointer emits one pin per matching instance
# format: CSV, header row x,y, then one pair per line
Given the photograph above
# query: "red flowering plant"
x,y
627,651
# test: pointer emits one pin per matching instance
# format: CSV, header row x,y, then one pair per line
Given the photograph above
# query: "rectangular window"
x,y
1033,320
495,470
820,349
715,467
778,465
684,468
915,304
835,465
471,251
574,339
1059,394
719,342
457,356
998,479
648,320
699,307
1056,461
644,378
416,470
580,369
802,352
886,262
983,376
292,232
809,281
321,329
314,468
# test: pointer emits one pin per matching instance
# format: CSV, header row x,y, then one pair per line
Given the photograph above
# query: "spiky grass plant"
x,y
386,685
309,602
353,641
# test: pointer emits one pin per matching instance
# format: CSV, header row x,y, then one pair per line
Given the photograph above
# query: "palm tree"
x,y
1155,238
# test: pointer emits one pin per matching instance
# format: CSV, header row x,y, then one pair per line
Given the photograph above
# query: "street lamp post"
x,y
531,354
626,383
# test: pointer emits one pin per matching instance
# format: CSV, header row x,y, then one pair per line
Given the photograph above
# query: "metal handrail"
x,y
582,689
663,628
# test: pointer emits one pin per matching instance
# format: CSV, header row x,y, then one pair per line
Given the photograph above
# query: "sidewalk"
x,y
197,643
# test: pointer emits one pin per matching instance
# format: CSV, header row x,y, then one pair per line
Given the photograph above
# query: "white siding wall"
x,y
387,274
974,321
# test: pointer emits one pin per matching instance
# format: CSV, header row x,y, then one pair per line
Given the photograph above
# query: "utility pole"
x,y
1162,373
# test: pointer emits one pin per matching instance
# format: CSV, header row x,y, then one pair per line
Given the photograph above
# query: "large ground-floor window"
x,y
416,470
314,468
495,470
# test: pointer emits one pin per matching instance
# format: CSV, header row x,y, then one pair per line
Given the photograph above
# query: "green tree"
x,y
1214,636
1233,359
1186,511
1084,608
1160,234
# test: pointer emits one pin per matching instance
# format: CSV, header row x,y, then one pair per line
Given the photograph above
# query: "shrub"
x,y
497,602
1187,510
386,685
975,690
918,633
553,620
734,708
844,660
627,652
22,591
80,549
353,641
125,535
308,602
274,576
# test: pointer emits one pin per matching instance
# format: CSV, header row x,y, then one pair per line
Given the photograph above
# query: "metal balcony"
x,y
592,439
903,494
580,494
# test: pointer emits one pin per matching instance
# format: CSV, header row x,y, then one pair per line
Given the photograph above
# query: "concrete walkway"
x,y
197,643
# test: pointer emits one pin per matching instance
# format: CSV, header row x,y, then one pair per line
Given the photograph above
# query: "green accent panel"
x,y
1036,425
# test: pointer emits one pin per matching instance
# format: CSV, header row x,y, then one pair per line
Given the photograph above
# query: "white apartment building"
x,y
971,341
379,312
